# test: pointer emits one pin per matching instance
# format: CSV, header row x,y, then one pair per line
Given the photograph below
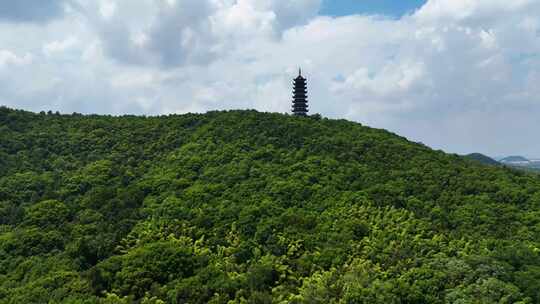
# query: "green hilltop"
x,y
486,160
248,207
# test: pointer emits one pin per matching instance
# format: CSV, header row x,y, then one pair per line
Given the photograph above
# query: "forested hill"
x,y
248,207
486,160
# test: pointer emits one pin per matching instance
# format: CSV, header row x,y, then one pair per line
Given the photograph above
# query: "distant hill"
x,y
481,158
522,163
514,159
249,207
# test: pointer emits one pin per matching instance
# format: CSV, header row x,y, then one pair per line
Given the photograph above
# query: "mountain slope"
x,y
483,159
253,207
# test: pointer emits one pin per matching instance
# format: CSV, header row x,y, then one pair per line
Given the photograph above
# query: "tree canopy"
x,y
249,207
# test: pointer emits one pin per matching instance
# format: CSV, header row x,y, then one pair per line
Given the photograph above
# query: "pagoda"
x,y
300,106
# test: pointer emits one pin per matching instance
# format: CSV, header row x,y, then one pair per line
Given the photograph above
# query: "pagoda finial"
x,y
299,71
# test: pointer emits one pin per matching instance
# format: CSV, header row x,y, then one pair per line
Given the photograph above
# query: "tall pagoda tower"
x,y
300,103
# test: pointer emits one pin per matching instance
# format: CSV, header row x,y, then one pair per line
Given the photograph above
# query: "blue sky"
x,y
394,8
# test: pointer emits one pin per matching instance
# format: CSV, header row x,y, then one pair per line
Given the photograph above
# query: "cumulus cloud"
x,y
456,74
9,58
467,10
182,32
57,47
280,15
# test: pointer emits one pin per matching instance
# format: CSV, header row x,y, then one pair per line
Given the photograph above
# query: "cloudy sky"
x,y
457,75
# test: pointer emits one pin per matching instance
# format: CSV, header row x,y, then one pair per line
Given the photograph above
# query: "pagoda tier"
x,y
300,103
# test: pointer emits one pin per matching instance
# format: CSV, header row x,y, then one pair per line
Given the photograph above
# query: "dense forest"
x,y
248,207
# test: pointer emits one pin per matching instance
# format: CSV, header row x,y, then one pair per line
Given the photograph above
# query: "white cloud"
x,y
460,10
243,19
56,47
8,58
133,80
107,8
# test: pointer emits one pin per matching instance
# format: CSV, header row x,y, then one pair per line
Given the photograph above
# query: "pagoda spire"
x,y
300,102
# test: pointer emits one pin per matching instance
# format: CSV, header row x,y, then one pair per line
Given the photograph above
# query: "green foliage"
x,y
247,207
